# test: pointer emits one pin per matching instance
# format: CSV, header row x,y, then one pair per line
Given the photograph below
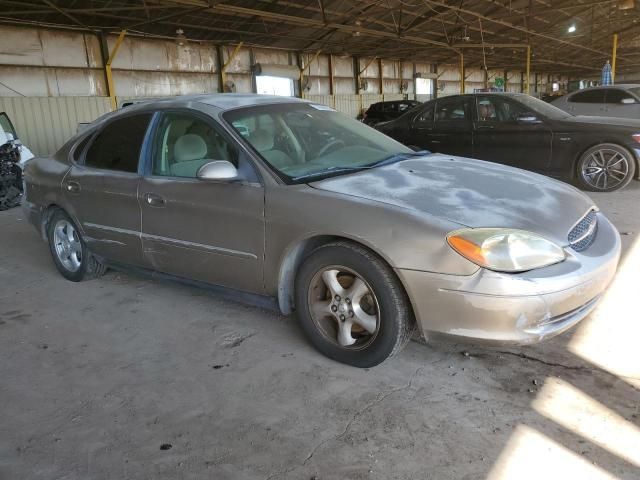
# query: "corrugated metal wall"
x,y
45,123
51,80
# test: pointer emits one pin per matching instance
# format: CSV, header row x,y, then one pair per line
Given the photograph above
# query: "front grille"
x,y
584,233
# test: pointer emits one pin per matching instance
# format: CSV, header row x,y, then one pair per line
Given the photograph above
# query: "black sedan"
x,y
600,153
385,111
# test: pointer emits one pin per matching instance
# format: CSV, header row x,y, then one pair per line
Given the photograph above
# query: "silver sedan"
x,y
287,203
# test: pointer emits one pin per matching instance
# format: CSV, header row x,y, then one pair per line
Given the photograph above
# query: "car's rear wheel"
x,y
605,168
70,254
351,305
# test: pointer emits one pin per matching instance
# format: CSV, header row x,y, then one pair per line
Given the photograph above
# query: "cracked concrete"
x,y
98,379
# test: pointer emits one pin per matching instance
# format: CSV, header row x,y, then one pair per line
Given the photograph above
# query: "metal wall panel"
x,y
44,124
154,84
318,85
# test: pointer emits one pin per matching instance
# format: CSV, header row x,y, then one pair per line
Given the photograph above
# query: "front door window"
x,y
184,143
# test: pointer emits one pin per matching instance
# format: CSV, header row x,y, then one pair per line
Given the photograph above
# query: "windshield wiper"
x,y
334,169
398,157
385,161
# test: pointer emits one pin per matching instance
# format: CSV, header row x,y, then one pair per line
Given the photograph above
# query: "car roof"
x,y
623,86
223,101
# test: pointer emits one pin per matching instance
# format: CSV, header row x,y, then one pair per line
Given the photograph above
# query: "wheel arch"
x,y
47,213
299,250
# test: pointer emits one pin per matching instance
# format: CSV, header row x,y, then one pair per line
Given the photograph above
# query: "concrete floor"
x,y
126,377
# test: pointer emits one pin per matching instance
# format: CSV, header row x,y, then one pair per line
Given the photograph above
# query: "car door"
x,y
507,132
101,188
420,130
209,231
620,103
588,102
452,127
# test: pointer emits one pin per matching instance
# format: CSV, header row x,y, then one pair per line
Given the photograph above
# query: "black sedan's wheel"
x,y
69,251
351,306
605,168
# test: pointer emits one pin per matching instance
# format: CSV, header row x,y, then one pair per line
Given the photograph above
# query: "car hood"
x,y
471,193
593,120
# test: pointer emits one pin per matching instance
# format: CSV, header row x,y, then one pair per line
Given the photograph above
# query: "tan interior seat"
x,y
190,153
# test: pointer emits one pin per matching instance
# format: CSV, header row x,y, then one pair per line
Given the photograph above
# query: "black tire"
x,y
90,267
597,183
396,321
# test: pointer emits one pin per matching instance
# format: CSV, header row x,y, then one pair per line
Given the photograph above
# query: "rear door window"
x,y
615,95
588,96
117,146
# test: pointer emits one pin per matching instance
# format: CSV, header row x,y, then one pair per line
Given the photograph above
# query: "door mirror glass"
x,y
217,170
628,101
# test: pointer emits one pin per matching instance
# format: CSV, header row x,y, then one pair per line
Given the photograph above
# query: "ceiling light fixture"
x,y
571,29
181,40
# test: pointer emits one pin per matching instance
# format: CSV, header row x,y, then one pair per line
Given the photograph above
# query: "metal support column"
x,y
613,57
462,72
527,82
107,69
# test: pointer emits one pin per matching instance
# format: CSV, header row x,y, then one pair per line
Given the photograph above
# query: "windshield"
x,y
543,108
301,140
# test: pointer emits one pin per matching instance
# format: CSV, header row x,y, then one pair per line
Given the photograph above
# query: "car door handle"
x,y
485,127
154,200
73,187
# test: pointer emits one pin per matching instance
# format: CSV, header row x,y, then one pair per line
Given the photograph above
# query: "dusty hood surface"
x,y
471,193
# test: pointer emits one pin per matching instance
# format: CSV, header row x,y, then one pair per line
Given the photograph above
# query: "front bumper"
x,y
516,308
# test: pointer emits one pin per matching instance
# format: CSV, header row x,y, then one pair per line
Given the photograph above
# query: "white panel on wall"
x,y
63,49
344,85
319,67
241,63
269,56
24,81
46,123
318,86
343,66
372,70
20,46
153,84
242,82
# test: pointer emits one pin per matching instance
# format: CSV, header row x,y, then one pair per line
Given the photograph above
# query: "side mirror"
x,y
217,170
527,117
627,101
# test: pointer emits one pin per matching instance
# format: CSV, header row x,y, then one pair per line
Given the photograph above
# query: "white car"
x,y
621,101
8,134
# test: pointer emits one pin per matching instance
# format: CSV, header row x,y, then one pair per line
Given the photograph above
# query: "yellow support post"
x,y
304,67
107,68
613,57
228,62
462,79
527,84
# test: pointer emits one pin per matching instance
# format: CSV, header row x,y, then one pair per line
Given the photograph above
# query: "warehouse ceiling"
x,y
565,35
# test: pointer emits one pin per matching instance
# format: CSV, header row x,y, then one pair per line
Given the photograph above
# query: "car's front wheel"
x,y
69,252
351,305
605,168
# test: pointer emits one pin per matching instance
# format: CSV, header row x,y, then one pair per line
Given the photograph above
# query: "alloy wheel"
x,y
605,169
344,307
67,245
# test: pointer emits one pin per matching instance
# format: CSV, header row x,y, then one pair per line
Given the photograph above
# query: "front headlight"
x,y
505,250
